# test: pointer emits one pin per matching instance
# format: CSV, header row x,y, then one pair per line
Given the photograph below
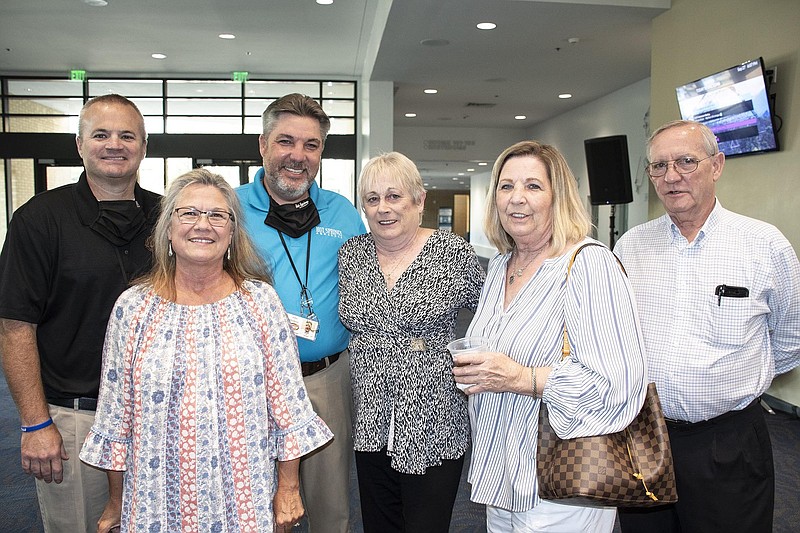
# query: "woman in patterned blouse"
x,y
202,408
536,220
401,287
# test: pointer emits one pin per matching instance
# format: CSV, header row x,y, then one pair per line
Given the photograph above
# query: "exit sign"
x,y
77,75
240,76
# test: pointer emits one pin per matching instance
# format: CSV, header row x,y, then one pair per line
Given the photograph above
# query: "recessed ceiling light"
x,y
483,163
486,25
460,174
430,91
520,117
158,56
411,115
324,2
470,170
95,3
564,96
227,36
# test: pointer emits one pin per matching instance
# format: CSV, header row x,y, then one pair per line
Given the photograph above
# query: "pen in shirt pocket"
x,y
730,291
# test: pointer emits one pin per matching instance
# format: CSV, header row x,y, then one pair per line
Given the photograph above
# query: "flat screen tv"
x,y
734,103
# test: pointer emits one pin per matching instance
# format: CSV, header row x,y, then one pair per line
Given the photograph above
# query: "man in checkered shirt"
x,y
719,300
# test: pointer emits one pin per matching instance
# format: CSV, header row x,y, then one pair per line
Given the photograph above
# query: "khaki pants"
x,y
74,505
325,473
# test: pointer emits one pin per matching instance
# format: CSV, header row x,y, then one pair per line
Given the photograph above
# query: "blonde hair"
x,y
571,222
244,262
397,166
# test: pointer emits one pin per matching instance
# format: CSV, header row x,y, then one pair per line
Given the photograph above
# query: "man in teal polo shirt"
x,y
299,229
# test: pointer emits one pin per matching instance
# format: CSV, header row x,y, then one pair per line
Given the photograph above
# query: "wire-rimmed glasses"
x,y
191,215
682,165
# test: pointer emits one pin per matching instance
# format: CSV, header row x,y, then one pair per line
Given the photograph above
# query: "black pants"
x,y
725,478
406,503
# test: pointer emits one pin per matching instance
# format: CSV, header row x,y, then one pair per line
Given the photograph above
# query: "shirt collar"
x,y
708,227
88,207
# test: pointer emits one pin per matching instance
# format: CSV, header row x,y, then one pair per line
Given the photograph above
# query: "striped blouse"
x,y
598,389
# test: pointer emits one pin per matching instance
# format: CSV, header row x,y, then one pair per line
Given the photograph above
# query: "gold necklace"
x,y
519,271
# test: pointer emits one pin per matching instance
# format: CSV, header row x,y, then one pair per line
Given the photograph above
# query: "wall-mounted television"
x,y
734,103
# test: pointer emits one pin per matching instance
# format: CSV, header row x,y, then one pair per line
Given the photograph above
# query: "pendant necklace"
x,y
518,273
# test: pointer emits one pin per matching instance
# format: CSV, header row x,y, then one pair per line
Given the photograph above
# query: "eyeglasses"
x,y
682,165
190,215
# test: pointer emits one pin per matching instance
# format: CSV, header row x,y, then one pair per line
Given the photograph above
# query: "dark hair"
x,y
244,262
295,104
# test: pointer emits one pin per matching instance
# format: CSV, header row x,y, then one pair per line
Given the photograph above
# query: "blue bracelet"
x,y
37,427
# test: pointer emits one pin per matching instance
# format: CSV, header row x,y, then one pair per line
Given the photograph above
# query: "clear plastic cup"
x,y
467,345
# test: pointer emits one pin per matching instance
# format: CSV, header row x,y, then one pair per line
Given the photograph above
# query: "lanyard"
x,y
306,302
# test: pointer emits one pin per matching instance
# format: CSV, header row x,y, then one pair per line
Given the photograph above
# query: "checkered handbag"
x,y
631,468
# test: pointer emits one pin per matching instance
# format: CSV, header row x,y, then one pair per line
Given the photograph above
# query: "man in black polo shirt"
x,y
68,255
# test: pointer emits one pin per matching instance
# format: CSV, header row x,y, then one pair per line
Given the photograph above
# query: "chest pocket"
x,y
728,320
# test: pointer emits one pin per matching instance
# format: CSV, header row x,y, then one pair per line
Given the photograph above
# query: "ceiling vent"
x,y
480,104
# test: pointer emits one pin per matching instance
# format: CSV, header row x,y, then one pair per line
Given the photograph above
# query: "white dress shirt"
x,y
709,353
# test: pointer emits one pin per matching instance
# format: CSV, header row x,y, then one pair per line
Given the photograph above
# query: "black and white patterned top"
x,y
394,373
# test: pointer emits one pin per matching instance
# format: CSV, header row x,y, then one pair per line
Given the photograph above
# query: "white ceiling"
x,y
484,78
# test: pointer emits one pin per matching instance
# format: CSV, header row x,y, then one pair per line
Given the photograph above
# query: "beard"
x,y
285,190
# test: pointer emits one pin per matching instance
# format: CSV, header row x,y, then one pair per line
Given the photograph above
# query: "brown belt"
x,y
315,366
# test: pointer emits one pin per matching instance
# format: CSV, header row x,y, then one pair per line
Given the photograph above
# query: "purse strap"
x,y
565,349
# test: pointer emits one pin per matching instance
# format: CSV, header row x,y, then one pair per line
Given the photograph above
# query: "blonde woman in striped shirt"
x,y
536,220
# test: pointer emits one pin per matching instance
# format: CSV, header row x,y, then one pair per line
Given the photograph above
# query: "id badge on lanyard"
x,y
305,327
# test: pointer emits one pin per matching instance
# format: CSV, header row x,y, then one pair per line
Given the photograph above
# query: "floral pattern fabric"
x,y
196,404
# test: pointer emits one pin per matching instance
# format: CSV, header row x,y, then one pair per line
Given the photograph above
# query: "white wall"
x,y
622,112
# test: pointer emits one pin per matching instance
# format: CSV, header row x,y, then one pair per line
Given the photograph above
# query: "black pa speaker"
x,y
609,170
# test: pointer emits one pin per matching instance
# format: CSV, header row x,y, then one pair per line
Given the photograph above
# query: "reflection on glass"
x,y
342,108
276,89
21,182
343,126
45,87
230,173
204,125
45,106
151,174
338,89
58,176
127,88
203,106
43,124
204,88
338,175
177,166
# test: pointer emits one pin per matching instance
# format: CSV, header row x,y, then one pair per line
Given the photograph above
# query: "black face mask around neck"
x,y
119,221
294,219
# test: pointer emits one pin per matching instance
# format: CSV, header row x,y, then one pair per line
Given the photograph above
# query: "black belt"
x,y
82,404
686,424
315,366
